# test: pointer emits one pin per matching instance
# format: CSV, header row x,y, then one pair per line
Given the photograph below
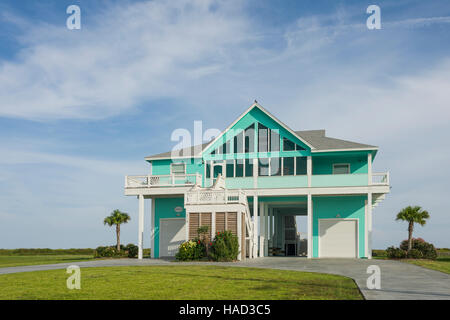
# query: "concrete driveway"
x,y
398,280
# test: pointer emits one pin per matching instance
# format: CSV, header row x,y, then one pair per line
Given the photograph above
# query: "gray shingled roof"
x,y
319,141
316,138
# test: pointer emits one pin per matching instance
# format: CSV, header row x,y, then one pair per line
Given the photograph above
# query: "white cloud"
x,y
131,53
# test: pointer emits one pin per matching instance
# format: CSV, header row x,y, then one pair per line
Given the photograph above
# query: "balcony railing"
x,y
169,180
215,197
380,178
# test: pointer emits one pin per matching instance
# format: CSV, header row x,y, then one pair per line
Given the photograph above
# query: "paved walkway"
x,y
398,280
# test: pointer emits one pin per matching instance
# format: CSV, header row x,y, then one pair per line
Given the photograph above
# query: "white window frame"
x,y
342,164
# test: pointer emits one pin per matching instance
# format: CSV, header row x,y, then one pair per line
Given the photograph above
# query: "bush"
x,y
225,247
378,253
415,243
415,254
427,250
190,250
395,253
110,251
132,250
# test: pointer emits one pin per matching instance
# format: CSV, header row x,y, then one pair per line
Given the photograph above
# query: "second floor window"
x,y
178,168
341,168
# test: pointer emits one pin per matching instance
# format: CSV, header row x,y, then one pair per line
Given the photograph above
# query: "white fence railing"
x,y
380,178
215,197
169,180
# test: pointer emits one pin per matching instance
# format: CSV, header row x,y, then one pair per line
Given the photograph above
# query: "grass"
x,y
442,263
180,282
25,260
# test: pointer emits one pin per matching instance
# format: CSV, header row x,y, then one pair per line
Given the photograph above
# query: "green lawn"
x,y
442,263
23,260
179,282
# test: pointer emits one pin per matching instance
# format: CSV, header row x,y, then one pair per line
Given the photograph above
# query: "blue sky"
x,y
80,109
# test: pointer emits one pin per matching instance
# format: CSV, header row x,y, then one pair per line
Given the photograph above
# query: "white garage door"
x,y
172,232
337,238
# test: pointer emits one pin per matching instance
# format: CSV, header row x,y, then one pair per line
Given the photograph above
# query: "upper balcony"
x,y
157,181
261,182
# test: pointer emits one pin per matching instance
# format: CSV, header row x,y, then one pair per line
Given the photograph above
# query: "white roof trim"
x,y
347,149
171,158
266,112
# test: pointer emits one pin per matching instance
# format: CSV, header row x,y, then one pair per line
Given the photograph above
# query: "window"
x,y
239,168
288,166
250,139
274,141
341,168
263,138
178,168
230,169
249,167
263,168
239,143
300,165
275,166
288,145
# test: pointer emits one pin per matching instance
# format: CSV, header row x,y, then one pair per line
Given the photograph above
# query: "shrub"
x,y
110,251
427,250
415,254
225,247
132,250
190,250
415,242
395,253
378,253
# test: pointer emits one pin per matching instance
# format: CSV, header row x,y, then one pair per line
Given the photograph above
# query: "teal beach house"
x,y
255,179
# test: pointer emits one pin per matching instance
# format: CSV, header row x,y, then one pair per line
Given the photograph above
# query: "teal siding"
x,y
324,165
283,182
239,183
339,180
164,209
339,207
162,167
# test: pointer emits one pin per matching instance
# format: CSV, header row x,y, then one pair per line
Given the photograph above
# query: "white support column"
x,y
239,233
270,224
213,225
187,219
152,234
141,226
366,229
369,224
261,230
211,172
255,172
255,226
310,227
369,168
266,230
309,169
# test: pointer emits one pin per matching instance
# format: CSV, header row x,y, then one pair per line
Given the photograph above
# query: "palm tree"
x,y
412,215
117,218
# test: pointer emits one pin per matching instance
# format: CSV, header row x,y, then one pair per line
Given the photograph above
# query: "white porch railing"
x,y
215,197
169,180
380,178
